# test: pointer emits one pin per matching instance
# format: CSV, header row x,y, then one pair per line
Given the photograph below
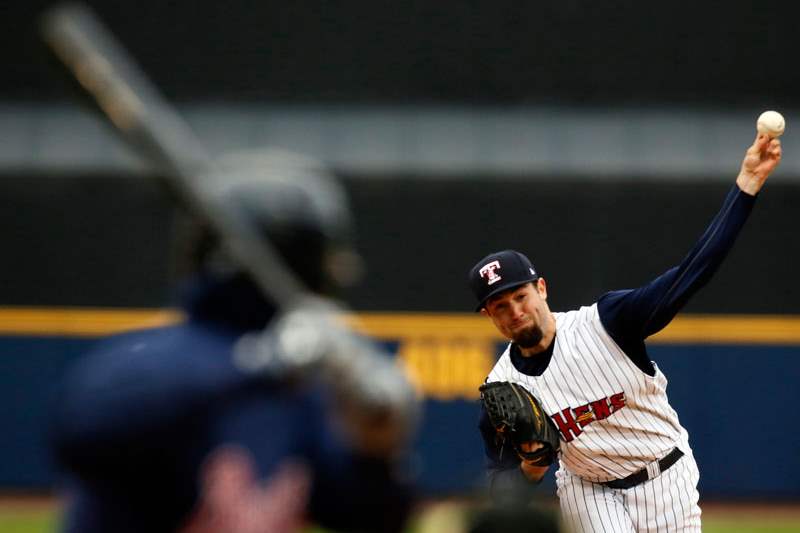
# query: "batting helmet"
x,y
295,203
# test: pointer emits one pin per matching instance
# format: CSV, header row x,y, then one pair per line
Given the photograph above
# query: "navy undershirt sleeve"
x,y
632,315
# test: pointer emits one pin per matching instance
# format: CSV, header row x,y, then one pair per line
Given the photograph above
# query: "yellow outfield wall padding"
x,y
688,329
694,329
81,322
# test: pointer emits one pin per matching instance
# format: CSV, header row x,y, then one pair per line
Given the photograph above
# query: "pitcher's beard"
x,y
528,337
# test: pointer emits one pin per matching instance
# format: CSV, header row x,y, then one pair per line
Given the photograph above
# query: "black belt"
x,y
644,474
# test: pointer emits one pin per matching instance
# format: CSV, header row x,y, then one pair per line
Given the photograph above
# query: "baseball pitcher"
x,y
624,460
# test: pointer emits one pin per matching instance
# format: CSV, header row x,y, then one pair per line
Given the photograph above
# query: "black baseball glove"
x,y
516,414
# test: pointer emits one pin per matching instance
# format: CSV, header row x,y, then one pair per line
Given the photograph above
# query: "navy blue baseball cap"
x,y
499,272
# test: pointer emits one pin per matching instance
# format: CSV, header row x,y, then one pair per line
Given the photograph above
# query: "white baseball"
x,y
771,123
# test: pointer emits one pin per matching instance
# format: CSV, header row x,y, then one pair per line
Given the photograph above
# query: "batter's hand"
x,y
759,162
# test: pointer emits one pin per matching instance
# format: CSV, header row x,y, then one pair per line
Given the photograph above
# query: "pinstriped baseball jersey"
x,y
614,419
607,398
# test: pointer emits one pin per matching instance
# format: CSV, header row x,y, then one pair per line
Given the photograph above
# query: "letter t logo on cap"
x,y
488,271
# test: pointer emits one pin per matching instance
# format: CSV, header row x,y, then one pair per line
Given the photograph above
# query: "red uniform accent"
x,y
617,401
601,409
566,424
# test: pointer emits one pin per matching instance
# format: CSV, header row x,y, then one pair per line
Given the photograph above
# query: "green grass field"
x,y
752,525
28,518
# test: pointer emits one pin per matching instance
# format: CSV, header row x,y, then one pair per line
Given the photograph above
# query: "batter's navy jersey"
x,y
138,418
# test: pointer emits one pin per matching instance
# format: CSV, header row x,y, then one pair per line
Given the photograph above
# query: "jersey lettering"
x,y
601,409
617,401
566,424
571,420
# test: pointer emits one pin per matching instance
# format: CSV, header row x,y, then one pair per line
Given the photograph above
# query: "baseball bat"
x,y
145,121
149,124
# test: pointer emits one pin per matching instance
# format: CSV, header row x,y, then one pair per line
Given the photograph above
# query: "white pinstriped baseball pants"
x,y
664,504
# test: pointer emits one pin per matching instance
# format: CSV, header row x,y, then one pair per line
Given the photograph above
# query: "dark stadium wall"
x,y
104,240
445,51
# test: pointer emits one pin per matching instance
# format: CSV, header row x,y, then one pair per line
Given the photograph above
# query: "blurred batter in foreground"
x,y
172,429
